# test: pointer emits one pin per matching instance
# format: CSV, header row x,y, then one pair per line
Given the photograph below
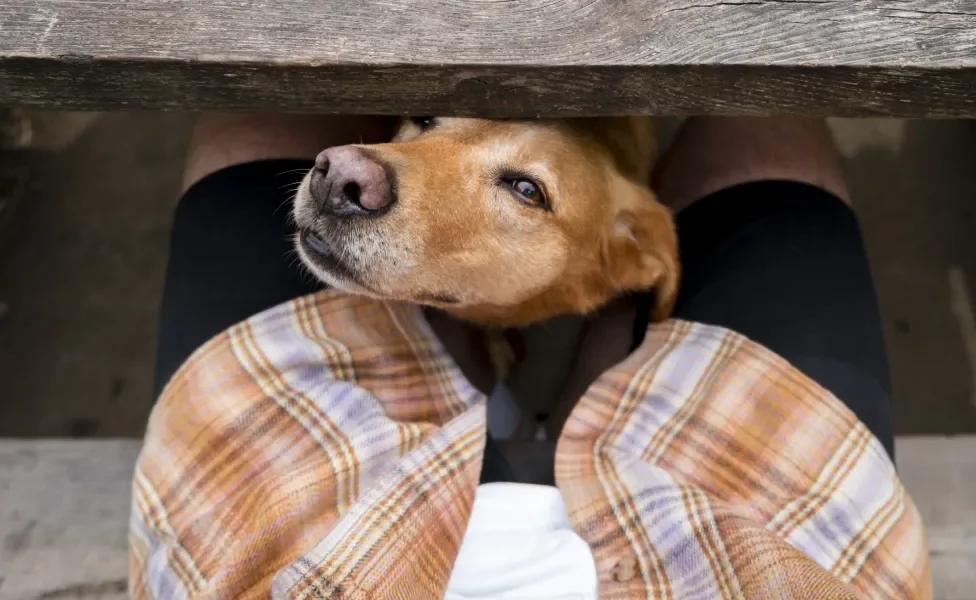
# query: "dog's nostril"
x,y
352,193
322,162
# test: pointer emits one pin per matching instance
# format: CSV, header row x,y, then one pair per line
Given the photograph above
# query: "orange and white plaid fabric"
x,y
330,448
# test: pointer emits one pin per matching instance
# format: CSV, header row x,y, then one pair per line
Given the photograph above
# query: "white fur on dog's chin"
x,y
303,212
330,279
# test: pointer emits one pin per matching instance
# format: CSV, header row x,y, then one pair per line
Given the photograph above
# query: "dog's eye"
x,y
527,191
423,122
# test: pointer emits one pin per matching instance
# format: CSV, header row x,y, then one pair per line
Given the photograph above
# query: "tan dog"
x,y
497,222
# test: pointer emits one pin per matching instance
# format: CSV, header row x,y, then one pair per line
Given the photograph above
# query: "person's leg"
x,y
710,154
770,248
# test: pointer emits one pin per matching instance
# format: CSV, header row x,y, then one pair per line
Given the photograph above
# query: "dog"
x,y
497,222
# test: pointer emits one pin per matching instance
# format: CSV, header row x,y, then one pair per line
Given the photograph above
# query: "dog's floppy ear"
x,y
641,252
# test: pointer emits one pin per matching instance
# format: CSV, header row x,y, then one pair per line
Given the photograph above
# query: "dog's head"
x,y
504,222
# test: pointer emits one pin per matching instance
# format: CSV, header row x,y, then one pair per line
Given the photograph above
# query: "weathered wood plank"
x,y
495,57
64,508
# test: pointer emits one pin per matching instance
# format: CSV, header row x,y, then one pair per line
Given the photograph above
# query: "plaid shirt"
x,y
330,448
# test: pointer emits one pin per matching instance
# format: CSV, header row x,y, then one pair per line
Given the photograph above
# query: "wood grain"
x,y
64,509
494,57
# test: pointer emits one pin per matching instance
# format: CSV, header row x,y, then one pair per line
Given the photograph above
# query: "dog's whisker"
x,y
303,271
307,275
285,202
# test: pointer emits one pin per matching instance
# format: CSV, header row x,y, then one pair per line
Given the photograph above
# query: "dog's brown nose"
x,y
346,181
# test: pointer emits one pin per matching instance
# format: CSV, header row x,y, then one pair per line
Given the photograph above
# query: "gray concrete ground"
x,y
84,218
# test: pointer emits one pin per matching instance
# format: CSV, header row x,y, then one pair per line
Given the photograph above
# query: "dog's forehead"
x,y
609,133
551,143
563,141
570,130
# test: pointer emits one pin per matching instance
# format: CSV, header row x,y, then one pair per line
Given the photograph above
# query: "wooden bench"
x,y
495,57
64,508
